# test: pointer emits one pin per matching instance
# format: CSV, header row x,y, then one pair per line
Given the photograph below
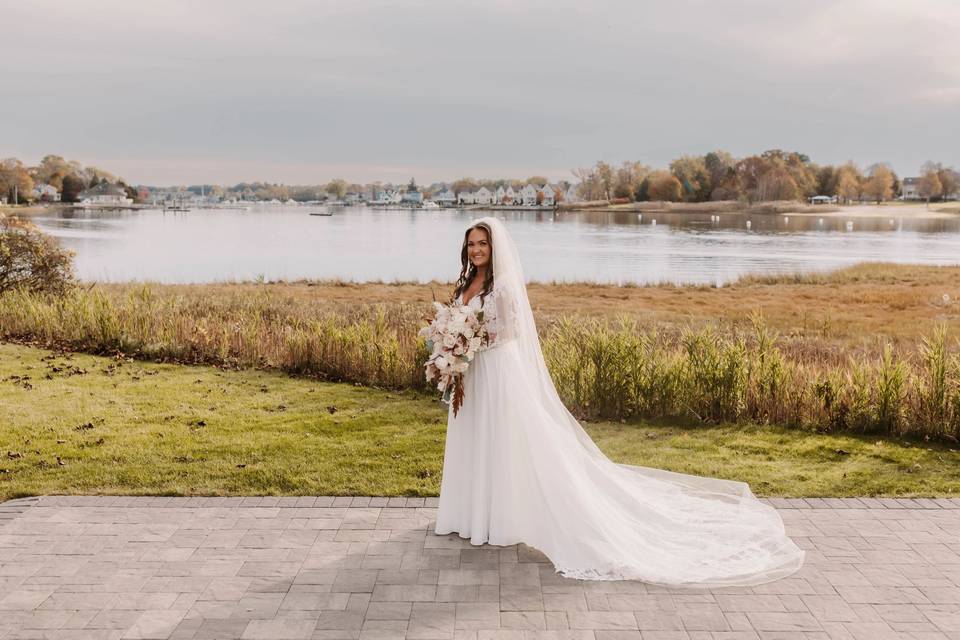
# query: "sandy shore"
x,y
892,210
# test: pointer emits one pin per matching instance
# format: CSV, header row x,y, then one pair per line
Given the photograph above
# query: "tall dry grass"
x,y
603,367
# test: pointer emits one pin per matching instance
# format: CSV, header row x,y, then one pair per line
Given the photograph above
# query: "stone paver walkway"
x,y
372,569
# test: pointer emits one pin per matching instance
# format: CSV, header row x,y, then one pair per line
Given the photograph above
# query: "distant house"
x,y
528,195
413,195
823,199
466,197
483,196
104,195
46,193
910,189
548,195
352,197
445,198
505,195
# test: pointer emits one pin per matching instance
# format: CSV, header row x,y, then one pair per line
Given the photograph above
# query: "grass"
x,y
81,424
843,351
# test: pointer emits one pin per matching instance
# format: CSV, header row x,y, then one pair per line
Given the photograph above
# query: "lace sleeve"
x,y
502,318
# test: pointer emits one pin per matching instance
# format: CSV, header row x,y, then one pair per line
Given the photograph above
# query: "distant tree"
x,y
848,184
464,185
337,187
694,177
15,180
627,179
52,170
664,186
536,181
949,179
879,185
72,186
720,166
930,186
605,175
589,186
131,192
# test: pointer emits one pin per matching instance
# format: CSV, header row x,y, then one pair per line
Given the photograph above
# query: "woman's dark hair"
x,y
467,271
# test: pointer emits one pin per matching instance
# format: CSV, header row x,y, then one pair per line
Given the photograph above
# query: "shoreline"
x,y
894,209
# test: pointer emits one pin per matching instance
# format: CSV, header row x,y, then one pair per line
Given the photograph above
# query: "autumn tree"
x,y
692,173
52,170
663,185
627,179
464,185
15,180
589,185
949,179
720,167
879,185
337,187
848,182
930,186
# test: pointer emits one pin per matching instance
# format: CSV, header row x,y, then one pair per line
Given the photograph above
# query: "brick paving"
x,y
367,568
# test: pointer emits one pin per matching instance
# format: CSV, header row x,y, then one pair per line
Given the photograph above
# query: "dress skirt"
x,y
512,472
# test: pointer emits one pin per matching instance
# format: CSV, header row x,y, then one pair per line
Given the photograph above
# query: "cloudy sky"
x,y
183,92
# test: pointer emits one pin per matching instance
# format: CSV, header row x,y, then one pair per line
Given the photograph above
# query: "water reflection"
x,y
366,244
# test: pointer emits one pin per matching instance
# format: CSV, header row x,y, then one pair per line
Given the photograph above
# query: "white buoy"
x,y
653,222
749,224
639,216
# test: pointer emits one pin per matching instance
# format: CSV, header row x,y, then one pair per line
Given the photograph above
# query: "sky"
x,y
299,92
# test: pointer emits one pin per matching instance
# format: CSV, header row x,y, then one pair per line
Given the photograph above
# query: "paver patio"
x,y
372,569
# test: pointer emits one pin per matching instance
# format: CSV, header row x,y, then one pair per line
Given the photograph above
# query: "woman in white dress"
x,y
518,467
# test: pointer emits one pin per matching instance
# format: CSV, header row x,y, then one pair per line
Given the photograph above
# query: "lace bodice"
x,y
499,315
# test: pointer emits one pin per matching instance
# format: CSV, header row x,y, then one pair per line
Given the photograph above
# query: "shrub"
x,y
30,260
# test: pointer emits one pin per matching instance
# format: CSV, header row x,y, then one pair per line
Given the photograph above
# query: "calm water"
x,y
364,244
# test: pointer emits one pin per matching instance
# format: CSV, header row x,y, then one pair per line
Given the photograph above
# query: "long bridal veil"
x,y
643,523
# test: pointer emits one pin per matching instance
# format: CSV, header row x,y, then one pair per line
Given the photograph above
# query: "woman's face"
x,y
478,247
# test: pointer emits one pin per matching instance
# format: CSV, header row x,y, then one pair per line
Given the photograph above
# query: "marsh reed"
x,y
604,368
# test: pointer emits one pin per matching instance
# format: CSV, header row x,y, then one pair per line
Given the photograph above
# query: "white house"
x,y
548,197
466,197
910,189
104,195
483,196
445,198
528,195
45,192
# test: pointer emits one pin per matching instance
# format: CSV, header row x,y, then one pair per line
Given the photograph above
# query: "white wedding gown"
x,y
519,468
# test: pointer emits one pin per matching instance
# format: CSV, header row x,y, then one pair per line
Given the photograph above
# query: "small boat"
x,y
321,213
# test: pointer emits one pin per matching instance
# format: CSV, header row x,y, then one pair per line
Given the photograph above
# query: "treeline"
x,y
68,177
772,175
338,188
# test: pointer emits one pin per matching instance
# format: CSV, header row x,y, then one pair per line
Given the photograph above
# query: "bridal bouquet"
x,y
454,336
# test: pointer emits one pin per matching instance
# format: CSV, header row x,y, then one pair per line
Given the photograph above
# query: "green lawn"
x,y
92,425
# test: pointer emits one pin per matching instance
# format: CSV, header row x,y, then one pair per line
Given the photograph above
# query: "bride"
x,y
518,467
